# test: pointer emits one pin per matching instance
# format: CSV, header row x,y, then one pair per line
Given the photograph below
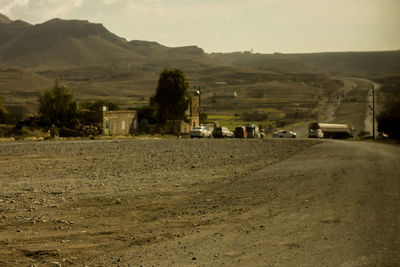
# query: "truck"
x,y
330,130
253,131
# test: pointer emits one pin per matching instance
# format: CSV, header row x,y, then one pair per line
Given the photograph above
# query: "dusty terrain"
x,y
182,202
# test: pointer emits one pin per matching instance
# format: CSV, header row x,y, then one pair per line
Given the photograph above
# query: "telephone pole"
x,y
373,112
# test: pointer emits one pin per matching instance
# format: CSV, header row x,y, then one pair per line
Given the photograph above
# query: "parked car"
x,y
221,132
284,134
200,132
240,132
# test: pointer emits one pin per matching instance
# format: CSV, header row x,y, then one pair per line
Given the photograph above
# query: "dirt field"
x,y
182,202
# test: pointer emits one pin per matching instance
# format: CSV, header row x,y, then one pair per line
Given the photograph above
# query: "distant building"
x,y
121,122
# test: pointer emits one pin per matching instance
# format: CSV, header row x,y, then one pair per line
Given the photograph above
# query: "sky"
x,y
264,26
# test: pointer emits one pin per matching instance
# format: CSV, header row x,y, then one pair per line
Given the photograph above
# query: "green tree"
x,y
3,111
171,99
57,107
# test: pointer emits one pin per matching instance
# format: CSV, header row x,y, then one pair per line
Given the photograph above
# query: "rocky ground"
x,y
183,202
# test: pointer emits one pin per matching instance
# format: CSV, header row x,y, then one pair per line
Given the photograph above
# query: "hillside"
x,y
21,89
346,63
67,44
97,64
4,19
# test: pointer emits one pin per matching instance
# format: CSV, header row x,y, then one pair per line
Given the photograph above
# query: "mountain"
x,y
66,44
4,19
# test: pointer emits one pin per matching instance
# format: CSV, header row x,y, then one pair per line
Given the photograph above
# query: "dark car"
x,y
221,132
240,132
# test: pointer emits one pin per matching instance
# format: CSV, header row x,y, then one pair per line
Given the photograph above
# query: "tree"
x,y
389,121
57,107
171,99
3,111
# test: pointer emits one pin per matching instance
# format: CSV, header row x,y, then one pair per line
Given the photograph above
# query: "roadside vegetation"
x,y
3,111
59,114
389,118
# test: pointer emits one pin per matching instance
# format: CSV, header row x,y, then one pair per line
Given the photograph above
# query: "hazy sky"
x,y
233,25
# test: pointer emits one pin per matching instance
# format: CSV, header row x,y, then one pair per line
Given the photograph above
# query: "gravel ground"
x,y
89,202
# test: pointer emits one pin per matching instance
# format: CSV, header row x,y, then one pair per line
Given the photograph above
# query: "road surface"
x,y
184,202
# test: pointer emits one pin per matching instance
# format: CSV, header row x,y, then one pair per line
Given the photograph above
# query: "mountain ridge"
x,y
83,44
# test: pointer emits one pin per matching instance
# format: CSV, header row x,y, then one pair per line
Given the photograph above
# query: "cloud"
x,y
37,11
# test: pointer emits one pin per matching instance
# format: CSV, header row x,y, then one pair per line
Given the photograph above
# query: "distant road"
x,y
353,109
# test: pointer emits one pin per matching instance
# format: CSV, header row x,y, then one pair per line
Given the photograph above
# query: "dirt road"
x,y
349,106
182,202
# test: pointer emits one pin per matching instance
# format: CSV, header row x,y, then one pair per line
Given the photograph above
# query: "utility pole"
x,y
373,112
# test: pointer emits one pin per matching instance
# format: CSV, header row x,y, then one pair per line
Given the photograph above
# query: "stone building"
x,y
121,122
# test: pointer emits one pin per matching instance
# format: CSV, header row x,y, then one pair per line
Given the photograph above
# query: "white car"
x,y
200,132
284,134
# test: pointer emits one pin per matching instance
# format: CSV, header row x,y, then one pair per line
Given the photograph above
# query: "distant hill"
x,y
65,44
4,19
21,89
348,63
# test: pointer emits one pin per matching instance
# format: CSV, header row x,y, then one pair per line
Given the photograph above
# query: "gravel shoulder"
x,y
199,202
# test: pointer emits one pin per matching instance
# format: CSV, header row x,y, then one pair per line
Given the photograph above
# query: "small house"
x,y
121,122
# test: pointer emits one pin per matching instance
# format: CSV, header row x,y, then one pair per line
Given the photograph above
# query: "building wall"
x,y
119,122
195,111
114,122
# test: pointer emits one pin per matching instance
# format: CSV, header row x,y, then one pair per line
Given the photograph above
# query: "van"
x,y
240,132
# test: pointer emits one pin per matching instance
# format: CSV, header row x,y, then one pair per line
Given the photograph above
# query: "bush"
x,y
3,111
389,121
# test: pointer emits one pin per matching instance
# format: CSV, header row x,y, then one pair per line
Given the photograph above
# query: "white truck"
x,y
329,130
